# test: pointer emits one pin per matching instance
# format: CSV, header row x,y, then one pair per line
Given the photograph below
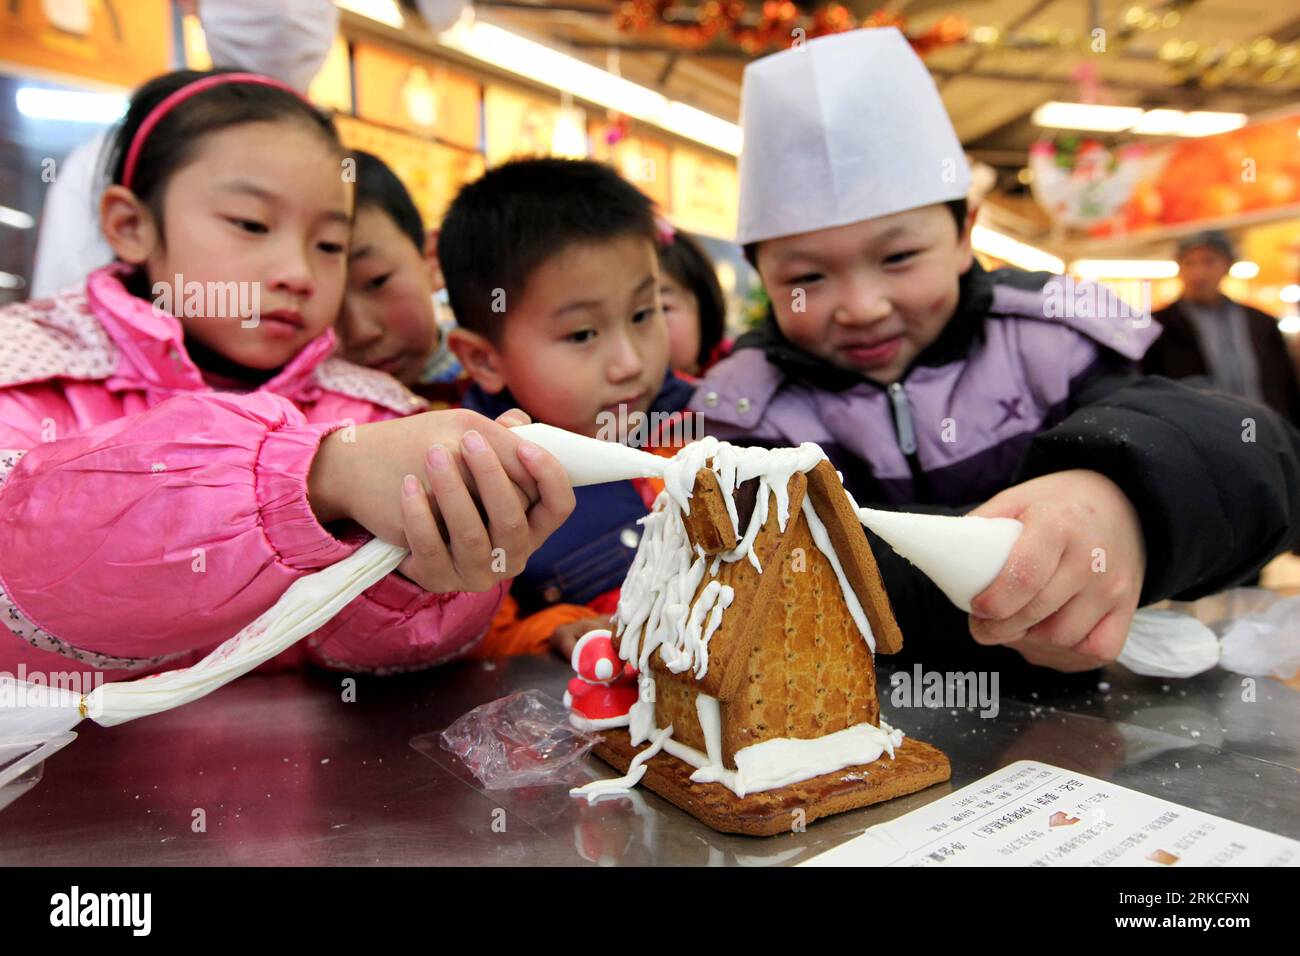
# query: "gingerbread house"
x,y
752,614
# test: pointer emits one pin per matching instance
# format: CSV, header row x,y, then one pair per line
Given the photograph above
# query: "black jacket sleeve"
x,y
1215,479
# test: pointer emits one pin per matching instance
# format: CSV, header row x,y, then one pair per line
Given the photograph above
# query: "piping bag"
x,y
961,555
36,719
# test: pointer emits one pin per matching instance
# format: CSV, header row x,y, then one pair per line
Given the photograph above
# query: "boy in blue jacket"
x,y
552,271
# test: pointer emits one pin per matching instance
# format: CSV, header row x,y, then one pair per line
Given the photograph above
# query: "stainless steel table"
x,y
279,769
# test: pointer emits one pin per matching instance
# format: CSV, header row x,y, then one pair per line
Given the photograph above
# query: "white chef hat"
x,y
848,127
284,39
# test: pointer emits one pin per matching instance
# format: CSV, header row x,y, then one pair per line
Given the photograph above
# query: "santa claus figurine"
x,y
605,688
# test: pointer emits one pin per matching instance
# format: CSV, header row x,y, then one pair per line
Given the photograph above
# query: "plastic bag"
x,y
1266,642
518,741
1168,644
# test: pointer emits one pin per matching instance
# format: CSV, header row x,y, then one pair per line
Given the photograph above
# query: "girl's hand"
x,y
486,502
1072,582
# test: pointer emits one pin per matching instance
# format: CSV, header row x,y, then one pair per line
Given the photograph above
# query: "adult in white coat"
x,y
285,39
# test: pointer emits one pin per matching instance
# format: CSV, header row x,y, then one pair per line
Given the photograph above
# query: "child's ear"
x,y
436,280
479,357
965,255
127,225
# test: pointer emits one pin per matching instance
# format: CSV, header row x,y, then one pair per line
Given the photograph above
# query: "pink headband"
x,y
180,96
665,230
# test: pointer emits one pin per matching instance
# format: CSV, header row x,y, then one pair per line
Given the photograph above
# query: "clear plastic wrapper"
x,y
1266,640
523,740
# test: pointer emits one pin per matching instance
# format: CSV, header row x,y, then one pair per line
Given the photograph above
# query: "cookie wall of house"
x,y
675,705
809,672
752,594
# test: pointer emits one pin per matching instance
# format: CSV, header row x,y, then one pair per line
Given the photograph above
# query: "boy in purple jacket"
x,y
931,382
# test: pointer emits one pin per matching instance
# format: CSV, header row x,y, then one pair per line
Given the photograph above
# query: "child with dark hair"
x,y
930,382
177,446
553,276
693,303
389,321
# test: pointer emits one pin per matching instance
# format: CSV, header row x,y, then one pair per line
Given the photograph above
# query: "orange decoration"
x,y
776,23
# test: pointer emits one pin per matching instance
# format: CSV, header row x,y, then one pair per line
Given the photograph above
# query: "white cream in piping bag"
x,y
961,554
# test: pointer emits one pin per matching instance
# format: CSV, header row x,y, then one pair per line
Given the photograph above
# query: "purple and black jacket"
x,y
1011,390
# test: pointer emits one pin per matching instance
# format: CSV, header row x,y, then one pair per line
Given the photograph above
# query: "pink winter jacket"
x,y
145,518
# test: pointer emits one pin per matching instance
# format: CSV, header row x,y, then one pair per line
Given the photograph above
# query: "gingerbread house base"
x,y
915,766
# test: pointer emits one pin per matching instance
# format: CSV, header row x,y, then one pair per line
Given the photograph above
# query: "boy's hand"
x,y
566,635
487,502
1072,582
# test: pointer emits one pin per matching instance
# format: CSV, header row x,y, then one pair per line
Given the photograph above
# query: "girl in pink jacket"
x,y
178,446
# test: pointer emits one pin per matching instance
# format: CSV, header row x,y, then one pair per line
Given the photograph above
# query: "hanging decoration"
x,y
774,25
1260,60
618,127
1079,182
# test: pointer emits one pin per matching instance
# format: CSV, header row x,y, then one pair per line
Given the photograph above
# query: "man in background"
x,y
1238,348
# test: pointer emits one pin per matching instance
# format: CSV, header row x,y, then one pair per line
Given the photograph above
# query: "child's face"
x,y
387,320
682,313
585,336
870,296
264,206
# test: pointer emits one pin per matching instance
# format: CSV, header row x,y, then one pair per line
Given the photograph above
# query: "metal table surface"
x,y
284,771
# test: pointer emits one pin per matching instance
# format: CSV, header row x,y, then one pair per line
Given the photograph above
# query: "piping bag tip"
x,y
590,461
961,554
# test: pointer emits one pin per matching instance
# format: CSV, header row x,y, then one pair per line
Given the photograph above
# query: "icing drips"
x,y
658,607
635,771
784,760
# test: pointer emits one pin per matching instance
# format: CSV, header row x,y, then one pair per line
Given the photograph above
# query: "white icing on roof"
x,y
658,608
